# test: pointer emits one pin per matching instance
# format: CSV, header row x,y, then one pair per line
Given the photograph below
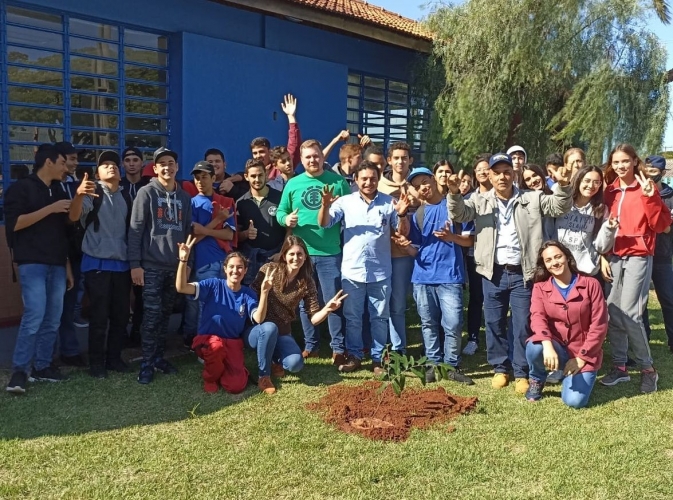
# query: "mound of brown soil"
x,y
359,409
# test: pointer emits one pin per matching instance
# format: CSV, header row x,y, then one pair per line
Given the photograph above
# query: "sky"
x,y
414,10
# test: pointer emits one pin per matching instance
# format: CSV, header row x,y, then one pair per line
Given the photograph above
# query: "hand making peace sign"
x,y
184,249
646,185
335,302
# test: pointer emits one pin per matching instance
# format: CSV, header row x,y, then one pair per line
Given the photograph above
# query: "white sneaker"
x,y
470,348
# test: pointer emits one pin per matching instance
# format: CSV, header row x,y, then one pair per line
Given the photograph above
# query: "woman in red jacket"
x,y
634,201
569,321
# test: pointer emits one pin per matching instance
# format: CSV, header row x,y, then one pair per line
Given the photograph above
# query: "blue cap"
x,y
500,158
419,171
656,161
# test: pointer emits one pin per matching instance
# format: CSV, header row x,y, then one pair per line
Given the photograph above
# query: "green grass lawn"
x,y
115,439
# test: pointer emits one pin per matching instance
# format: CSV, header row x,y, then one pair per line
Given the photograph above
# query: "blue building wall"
x,y
230,68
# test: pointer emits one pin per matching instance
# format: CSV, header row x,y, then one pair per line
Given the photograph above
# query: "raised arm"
x,y
181,284
289,106
344,135
260,313
560,202
86,187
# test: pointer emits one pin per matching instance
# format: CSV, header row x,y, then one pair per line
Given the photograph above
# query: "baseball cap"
x,y
65,148
148,170
203,166
656,161
419,171
500,158
517,149
132,152
165,152
107,156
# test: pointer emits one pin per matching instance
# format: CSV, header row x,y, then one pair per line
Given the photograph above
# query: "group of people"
x,y
555,259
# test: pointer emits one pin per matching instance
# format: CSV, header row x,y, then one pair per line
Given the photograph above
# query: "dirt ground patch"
x,y
360,410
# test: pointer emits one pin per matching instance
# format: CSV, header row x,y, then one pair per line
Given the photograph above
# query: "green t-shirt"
x,y
304,192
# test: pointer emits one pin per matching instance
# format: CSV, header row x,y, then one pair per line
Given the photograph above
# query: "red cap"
x,y
148,170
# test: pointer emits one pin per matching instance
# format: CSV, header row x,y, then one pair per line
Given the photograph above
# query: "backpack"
x,y
92,217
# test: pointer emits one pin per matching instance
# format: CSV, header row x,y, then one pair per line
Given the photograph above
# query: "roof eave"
x,y
335,22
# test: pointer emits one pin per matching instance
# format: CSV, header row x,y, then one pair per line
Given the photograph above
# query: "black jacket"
x,y
46,241
663,249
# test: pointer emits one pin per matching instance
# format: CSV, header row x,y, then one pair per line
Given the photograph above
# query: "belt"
x,y
512,268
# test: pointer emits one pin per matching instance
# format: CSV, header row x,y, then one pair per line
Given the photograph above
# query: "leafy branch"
x,y
397,366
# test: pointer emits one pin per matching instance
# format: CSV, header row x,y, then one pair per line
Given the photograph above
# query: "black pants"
x,y
137,312
475,305
109,297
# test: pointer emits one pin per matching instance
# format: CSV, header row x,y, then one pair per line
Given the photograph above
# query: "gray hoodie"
x,y
109,242
159,221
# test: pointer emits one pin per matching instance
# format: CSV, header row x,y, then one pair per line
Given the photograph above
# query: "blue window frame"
x,y
385,110
67,78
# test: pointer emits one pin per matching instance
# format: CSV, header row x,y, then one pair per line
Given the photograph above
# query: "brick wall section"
x,y
11,306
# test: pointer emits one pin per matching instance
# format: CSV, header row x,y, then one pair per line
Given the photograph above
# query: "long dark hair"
x,y
541,273
306,269
639,166
596,200
538,170
443,163
482,157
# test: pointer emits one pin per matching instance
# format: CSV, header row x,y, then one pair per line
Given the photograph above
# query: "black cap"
x,y
132,152
165,152
107,156
203,166
65,148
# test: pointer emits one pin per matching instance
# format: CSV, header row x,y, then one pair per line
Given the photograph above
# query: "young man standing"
x,y
281,161
519,159
224,184
104,210
662,268
260,234
368,218
35,221
508,237
214,226
161,218
438,274
132,181
375,154
298,210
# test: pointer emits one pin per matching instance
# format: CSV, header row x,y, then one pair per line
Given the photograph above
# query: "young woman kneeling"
x,y
220,335
569,321
292,281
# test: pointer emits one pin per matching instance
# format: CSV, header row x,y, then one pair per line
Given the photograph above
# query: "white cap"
x,y
516,149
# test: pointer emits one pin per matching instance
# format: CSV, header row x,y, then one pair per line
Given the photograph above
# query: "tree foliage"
x,y
546,75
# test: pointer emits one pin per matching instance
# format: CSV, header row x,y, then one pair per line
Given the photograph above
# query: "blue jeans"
x,y
441,305
328,279
262,338
193,308
68,345
376,297
288,354
576,390
42,291
504,290
400,287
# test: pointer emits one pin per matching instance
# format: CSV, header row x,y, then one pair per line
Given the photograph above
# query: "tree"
x,y
546,75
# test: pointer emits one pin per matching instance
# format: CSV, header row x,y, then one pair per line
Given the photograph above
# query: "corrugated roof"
x,y
368,13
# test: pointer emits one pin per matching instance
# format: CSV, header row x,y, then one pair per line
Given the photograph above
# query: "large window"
x,y
385,110
97,85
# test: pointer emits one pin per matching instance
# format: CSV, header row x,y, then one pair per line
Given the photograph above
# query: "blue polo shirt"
x,y
366,233
437,262
207,250
224,311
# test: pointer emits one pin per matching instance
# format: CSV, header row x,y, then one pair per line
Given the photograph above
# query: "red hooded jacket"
x,y
579,323
640,219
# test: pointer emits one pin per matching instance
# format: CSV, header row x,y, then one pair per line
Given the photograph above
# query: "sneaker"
x,y
17,384
471,348
338,358
457,375
500,380
81,323
77,361
165,367
98,371
117,365
615,377
310,354
49,374
277,370
210,387
555,377
146,374
378,369
534,392
430,377
521,385
350,364
648,381
265,385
